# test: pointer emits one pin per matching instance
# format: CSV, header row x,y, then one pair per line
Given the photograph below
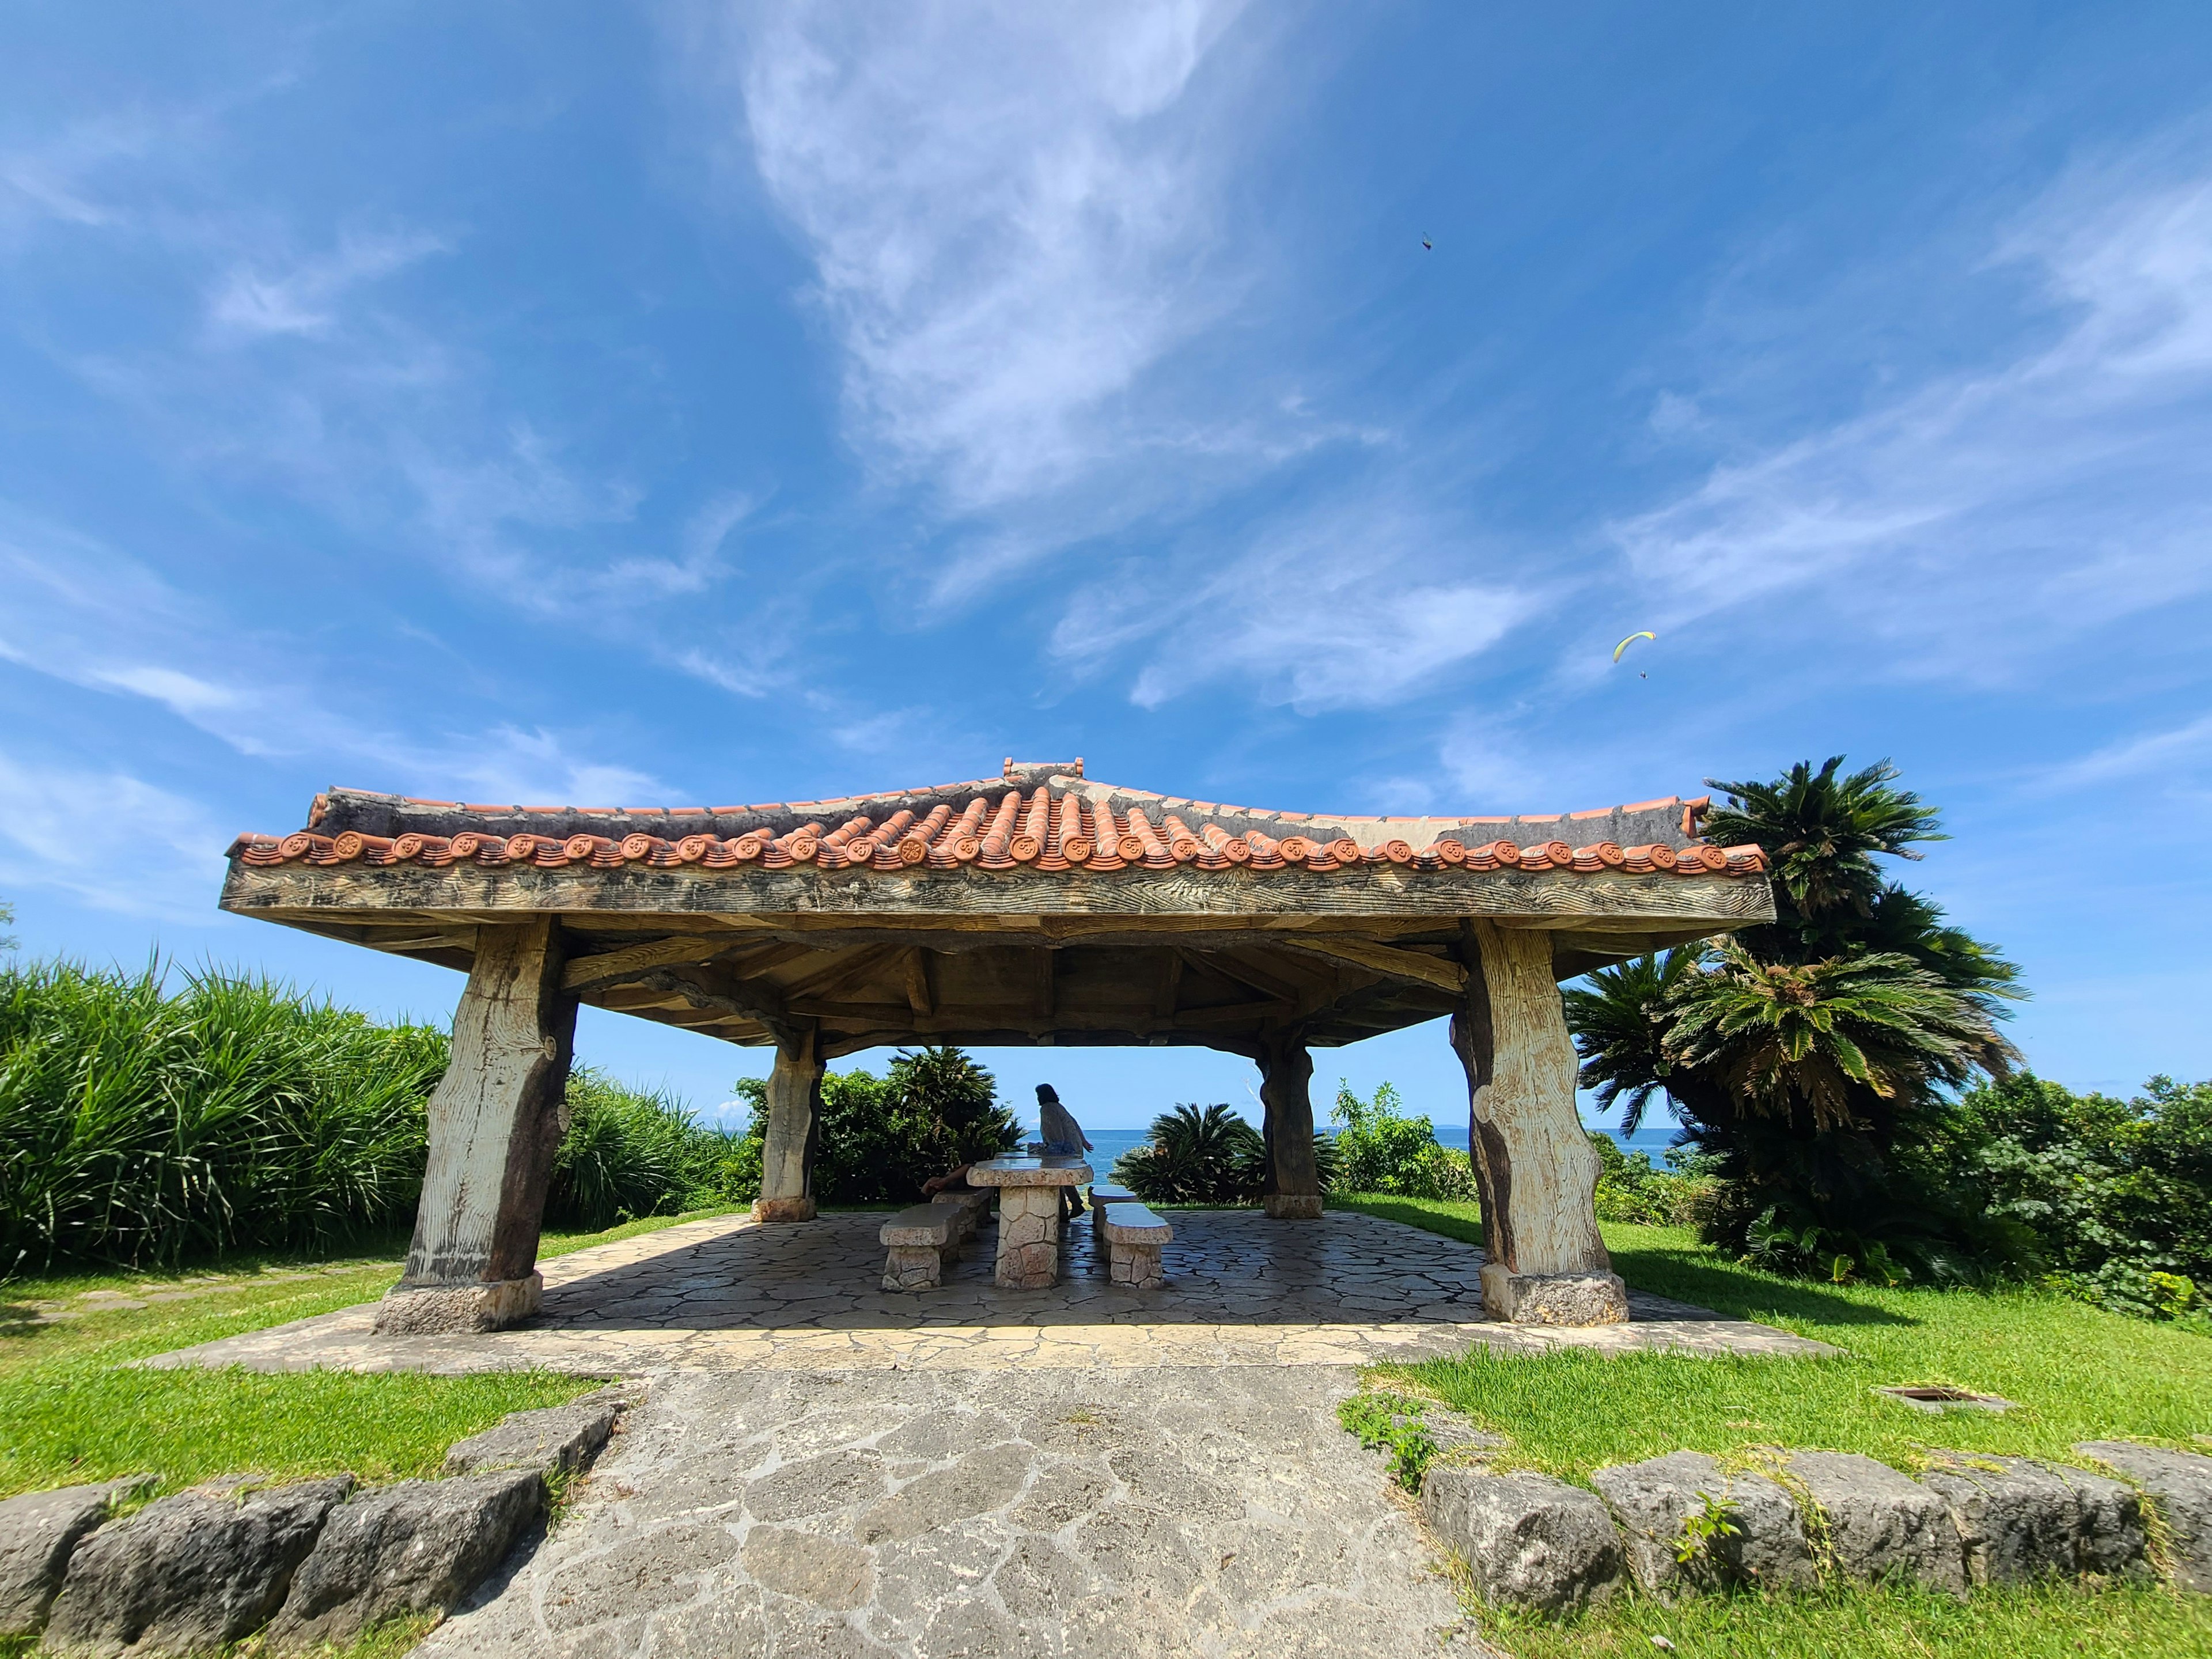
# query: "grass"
x,y
74,1408
2074,1372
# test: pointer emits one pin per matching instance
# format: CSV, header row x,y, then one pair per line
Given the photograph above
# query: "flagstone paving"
x,y
924,1514
728,1294
820,1466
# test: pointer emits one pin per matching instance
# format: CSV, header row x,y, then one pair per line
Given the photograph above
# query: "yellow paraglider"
x,y
1645,635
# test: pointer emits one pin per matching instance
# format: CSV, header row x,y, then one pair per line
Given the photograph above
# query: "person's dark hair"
x,y
1046,1091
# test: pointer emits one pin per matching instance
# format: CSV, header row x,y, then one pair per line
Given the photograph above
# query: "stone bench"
x,y
972,1205
1133,1236
1104,1193
918,1239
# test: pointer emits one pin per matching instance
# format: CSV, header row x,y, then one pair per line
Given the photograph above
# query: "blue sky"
x,y
689,403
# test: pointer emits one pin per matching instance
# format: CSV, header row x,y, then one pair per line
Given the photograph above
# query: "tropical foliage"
x,y
1379,1149
141,1124
879,1138
1206,1155
1804,1056
628,1153
2116,1194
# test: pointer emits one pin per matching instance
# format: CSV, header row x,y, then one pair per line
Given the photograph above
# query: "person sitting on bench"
x,y
952,1181
1063,1137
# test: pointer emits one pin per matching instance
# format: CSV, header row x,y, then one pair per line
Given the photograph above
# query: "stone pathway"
x,y
1033,1512
727,1294
820,1467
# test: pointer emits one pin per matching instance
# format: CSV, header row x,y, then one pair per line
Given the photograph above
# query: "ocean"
x,y
1652,1137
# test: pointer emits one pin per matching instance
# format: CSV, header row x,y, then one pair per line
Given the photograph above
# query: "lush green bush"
x,y
1380,1150
1196,1156
1631,1188
2115,1194
1208,1155
880,1138
140,1125
628,1154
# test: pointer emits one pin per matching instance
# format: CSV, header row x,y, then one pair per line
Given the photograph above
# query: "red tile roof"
x,y
1043,816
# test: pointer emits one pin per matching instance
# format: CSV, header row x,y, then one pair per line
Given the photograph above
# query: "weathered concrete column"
x,y
1545,1262
794,1120
494,1126
1291,1191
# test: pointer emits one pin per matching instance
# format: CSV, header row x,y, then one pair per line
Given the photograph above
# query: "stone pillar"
x,y
494,1125
1029,1238
1545,1263
794,1119
1291,1191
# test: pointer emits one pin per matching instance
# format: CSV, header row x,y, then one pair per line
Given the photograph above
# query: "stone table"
x,y
1028,1215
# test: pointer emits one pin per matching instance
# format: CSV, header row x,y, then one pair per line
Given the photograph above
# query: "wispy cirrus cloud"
x,y
88,616
1342,606
304,297
59,833
2181,754
996,281
2057,488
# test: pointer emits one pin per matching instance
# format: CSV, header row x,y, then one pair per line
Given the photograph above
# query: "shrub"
x,y
141,1126
1196,1156
1208,1155
2112,1197
137,1125
628,1154
1380,1150
880,1138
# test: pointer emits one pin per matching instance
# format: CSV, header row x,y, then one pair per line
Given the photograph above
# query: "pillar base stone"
x,y
783,1209
1554,1298
489,1304
1293,1206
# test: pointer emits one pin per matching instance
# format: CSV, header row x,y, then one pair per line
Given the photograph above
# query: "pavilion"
x,y
1037,907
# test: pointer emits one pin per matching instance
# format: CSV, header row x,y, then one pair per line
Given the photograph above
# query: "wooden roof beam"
x,y
1386,959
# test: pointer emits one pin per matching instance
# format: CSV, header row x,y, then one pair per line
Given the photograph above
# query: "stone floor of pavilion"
x,y
729,1294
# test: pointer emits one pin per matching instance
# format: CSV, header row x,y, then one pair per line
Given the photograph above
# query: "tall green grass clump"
x,y
140,1126
143,1126
630,1153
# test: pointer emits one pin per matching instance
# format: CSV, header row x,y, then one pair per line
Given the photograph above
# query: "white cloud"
x,y
252,301
2182,751
90,616
2015,505
1359,603
110,839
1018,222
1007,231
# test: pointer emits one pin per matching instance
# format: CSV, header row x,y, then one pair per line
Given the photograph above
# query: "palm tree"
x,y
1803,1054
1621,1017
1821,834
1785,1039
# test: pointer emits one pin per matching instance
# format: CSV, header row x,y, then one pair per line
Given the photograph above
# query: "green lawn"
x,y
73,1409
2075,1373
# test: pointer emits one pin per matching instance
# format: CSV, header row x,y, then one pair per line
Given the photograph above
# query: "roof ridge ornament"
x,y
1012,768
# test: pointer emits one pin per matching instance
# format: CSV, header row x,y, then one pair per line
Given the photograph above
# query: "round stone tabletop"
x,y
1030,1172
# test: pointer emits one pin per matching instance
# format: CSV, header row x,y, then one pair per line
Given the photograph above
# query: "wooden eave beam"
x,y
1385,959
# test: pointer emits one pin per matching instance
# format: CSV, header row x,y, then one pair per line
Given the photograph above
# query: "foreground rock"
x,y
39,1531
2019,1520
418,1546
1880,1524
190,1572
1528,1540
2179,1485
1672,1510
547,1442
